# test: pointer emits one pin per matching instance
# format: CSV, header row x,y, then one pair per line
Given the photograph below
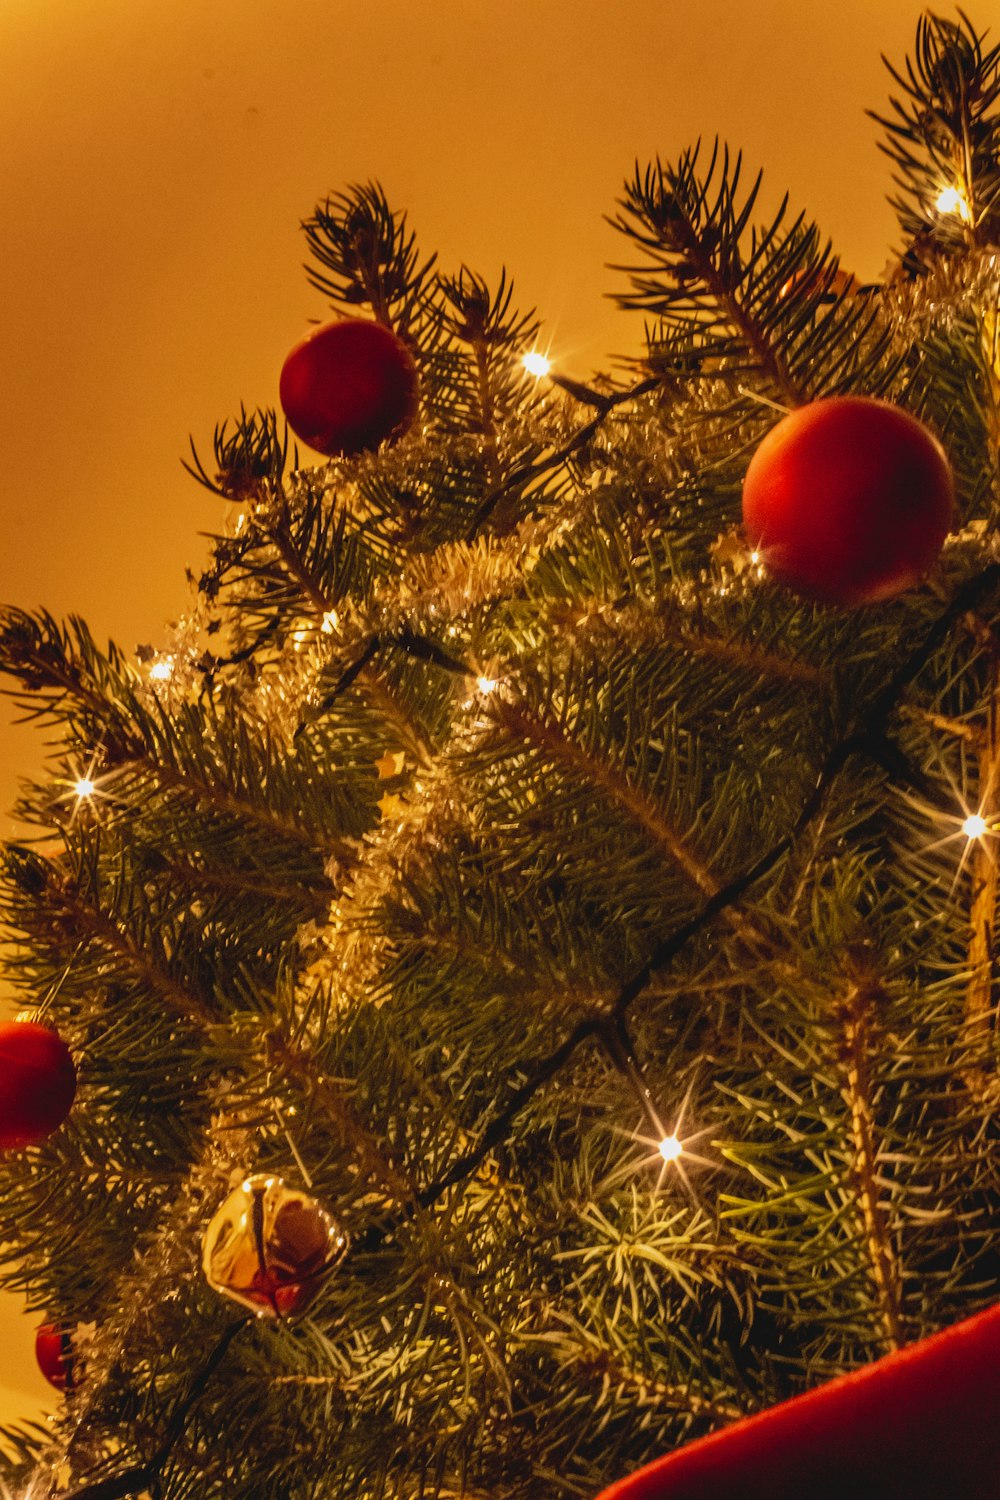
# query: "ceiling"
x,y
156,159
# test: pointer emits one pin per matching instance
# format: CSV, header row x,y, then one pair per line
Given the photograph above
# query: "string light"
x,y
80,792
162,671
666,1142
487,685
965,824
951,200
673,1150
81,787
675,1144
536,363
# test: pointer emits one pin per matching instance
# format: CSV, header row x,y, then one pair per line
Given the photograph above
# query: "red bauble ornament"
x,y
37,1083
54,1353
848,500
923,1423
347,387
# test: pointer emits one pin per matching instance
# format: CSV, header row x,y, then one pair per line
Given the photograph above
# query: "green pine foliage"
x,y
487,784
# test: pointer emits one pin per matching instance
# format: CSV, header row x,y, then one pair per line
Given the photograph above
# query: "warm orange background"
x,y
155,159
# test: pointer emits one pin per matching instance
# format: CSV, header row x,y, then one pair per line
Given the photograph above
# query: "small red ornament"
x,y
349,386
848,500
923,1423
37,1083
54,1353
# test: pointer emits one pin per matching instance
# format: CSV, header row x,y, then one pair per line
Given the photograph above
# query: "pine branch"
x,y
67,678
944,137
249,461
217,797
539,731
649,1390
857,1019
985,882
498,1130
635,626
533,470
958,728
398,716
364,254
484,383
516,974
280,535
693,242
92,925
301,1068
310,891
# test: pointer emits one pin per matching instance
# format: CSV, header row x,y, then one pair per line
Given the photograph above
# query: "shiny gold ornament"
x,y
271,1247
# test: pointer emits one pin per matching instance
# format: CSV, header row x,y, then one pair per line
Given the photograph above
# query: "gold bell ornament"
x,y
271,1247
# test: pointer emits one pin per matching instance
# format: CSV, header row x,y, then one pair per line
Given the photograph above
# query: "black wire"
x,y
133,1481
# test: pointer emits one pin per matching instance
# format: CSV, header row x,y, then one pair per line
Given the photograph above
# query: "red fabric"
x,y
923,1424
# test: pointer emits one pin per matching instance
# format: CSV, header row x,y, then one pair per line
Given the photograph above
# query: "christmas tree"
x,y
525,946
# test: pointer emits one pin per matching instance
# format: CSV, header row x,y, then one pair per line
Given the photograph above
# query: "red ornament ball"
x,y
848,500
54,1353
37,1083
349,386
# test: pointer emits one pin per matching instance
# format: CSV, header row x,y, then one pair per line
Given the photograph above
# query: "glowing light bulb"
x,y
487,685
670,1148
536,364
974,826
162,671
330,622
755,557
84,787
951,200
